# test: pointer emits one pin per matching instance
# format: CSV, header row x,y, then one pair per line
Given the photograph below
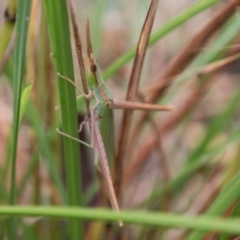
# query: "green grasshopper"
x,y
102,122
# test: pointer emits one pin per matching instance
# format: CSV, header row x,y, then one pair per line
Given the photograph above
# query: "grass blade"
x,y
204,223
24,7
56,12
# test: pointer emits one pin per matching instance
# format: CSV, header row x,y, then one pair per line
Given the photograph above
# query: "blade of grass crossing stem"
x,y
58,24
201,223
23,13
192,11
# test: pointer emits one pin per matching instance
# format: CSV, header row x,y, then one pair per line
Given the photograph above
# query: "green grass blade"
x,y
204,223
168,27
19,55
224,200
57,17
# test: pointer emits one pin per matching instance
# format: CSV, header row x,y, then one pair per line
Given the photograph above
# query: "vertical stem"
x,y
57,17
24,7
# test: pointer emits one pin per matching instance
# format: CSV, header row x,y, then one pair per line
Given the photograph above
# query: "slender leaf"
x,y
206,223
57,17
24,7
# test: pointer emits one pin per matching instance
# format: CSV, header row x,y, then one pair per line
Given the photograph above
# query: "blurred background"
x,y
176,161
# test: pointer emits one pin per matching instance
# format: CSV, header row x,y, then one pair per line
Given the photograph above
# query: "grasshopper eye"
x,y
93,68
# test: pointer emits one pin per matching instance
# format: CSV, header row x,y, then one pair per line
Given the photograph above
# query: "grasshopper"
x,y
101,117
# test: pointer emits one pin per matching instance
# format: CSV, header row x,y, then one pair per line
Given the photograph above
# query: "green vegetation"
x,y
180,169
